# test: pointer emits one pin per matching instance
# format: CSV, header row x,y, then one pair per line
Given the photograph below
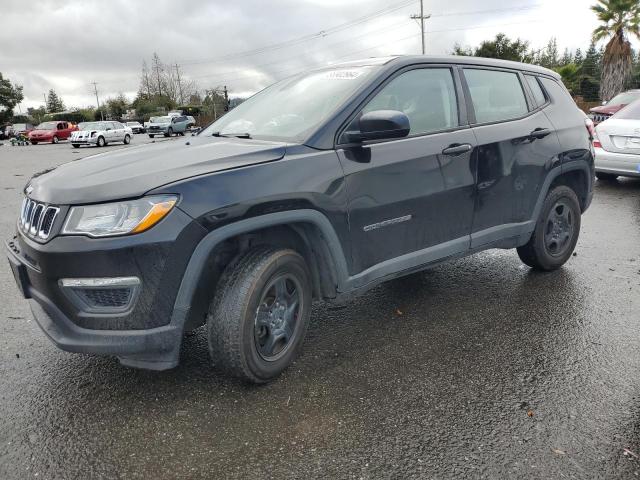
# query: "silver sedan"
x,y
617,145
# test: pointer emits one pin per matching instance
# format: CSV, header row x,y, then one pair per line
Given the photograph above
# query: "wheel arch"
x,y
307,231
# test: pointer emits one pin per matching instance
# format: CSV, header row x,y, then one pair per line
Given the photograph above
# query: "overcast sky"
x,y
67,44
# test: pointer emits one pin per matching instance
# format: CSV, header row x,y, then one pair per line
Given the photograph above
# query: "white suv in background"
x,y
100,134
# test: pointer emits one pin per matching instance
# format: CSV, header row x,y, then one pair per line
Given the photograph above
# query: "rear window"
x,y
536,89
630,112
496,95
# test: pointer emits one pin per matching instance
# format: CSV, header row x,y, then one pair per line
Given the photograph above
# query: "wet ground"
x,y
475,369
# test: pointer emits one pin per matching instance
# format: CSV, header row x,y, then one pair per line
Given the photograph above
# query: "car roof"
x,y
403,60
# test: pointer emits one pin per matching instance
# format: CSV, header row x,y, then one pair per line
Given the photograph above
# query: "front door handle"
x,y
457,149
540,133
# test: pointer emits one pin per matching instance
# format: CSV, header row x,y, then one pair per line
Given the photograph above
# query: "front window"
x,y
292,108
624,98
47,126
92,126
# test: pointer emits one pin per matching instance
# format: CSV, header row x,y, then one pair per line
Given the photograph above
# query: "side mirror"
x,y
383,124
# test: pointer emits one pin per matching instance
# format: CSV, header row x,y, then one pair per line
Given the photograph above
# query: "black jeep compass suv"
x,y
318,187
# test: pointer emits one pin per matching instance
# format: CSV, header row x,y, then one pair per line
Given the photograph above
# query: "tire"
x,y
100,142
556,232
127,140
55,140
151,136
169,132
33,143
75,145
606,177
239,344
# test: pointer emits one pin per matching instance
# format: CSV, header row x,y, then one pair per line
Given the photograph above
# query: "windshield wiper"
x,y
237,135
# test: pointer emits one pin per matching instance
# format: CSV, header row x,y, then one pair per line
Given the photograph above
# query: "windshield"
x,y
630,112
624,98
92,126
47,126
160,120
292,108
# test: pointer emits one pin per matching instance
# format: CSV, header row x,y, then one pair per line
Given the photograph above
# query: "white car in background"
x,y
100,134
617,144
136,127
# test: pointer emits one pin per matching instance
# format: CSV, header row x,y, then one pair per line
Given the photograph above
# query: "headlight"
x,y
119,218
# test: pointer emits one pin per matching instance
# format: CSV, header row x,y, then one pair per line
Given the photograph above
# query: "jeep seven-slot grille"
x,y
36,219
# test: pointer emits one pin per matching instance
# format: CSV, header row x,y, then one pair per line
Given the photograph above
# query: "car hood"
x,y
160,124
41,132
131,172
608,109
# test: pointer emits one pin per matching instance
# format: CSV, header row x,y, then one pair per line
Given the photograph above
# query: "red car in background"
x,y
52,132
600,114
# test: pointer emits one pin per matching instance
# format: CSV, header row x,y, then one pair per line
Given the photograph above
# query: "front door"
x,y
517,144
400,203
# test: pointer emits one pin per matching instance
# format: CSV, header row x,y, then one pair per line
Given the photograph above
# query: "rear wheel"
x,y
55,139
127,139
610,177
101,142
259,315
556,232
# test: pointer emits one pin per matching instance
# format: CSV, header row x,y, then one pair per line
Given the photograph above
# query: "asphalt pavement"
x,y
478,368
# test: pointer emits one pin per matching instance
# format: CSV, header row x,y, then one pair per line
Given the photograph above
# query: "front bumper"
x,y
142,336
157,131
624,164
84,140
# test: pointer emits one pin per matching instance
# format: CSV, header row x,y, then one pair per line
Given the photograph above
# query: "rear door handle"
x,y
540,133
457,149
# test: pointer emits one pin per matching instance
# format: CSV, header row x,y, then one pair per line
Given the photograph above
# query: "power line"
x,y
422,17
95,89
305,38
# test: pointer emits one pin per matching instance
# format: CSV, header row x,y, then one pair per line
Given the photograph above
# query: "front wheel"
x,y
101,142
169,132
151,136
259,315
33,143
75,145
556,232
127,140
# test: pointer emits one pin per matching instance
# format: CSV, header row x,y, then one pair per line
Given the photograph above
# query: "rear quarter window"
x,y
536,89
496,95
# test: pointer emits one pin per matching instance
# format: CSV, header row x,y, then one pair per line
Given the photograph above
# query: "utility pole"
x,y
422,17
179,83
226,99
95,89
44,95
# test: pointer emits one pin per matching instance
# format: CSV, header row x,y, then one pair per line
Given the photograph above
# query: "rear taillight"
x,y
590,128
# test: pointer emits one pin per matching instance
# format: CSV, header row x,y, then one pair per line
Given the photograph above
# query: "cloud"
x,y
67,45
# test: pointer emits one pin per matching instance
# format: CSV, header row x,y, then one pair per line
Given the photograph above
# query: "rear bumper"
x,y
154,349
624,164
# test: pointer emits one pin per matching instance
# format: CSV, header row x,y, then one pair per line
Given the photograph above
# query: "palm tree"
x,y
619,18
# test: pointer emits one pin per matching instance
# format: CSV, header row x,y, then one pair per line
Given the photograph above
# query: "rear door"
x,y
517,145
400,202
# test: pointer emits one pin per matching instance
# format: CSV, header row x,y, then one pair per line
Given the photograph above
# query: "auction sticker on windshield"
x,y
343,74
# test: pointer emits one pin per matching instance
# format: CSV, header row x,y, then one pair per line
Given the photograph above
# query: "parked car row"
x,y
607,109
15,130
